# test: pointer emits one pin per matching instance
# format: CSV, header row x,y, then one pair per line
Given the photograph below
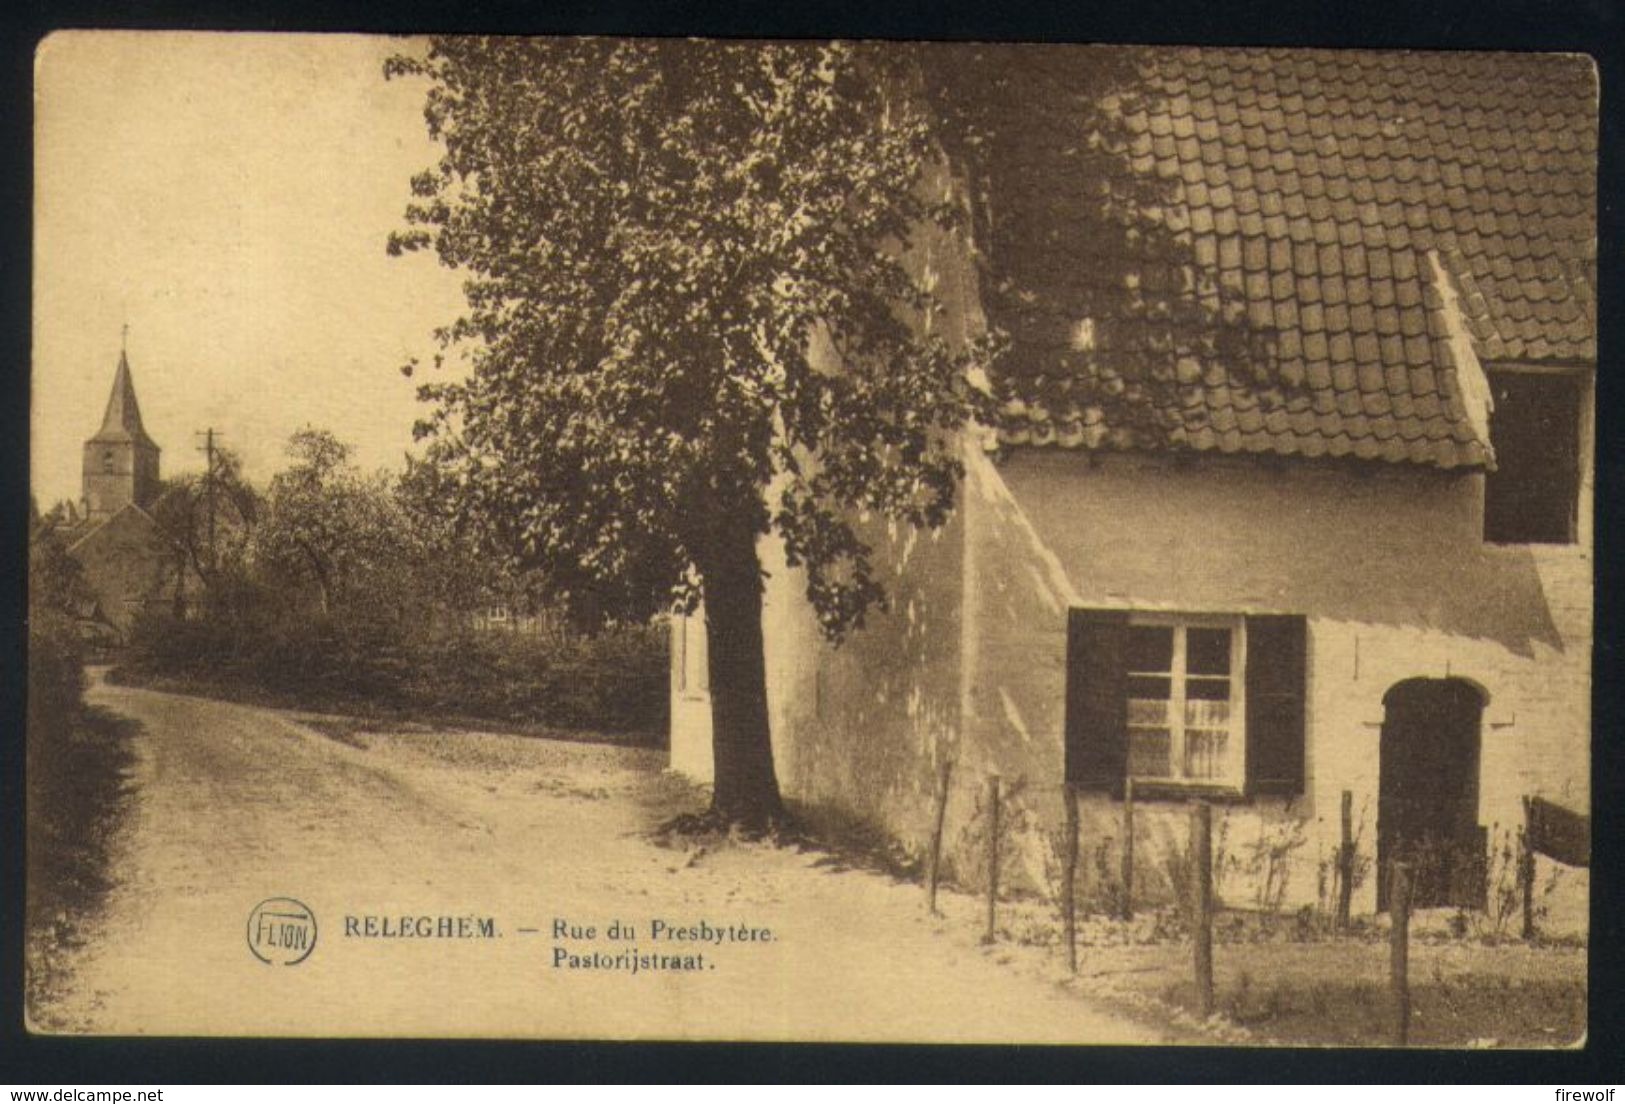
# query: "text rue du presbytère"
x,y
683,942
682,945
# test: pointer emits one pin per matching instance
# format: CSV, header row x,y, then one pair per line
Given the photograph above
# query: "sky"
x,y
228,196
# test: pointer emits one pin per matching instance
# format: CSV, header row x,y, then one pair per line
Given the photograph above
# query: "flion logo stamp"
x,y
281,931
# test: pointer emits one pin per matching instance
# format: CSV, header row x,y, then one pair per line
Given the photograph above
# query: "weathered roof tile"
x,y
1308,186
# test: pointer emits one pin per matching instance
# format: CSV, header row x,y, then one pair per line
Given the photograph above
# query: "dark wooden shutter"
x,y
1096,701
1276,666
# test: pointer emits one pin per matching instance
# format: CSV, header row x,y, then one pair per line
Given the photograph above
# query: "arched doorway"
x,y
1427,792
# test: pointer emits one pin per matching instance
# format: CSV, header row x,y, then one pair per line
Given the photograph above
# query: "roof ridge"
x,y
104,522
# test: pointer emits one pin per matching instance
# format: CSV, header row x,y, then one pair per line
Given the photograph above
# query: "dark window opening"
x,y
107,460
1533,495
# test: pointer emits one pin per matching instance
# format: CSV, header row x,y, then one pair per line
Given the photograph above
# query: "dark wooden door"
x,y
1427,799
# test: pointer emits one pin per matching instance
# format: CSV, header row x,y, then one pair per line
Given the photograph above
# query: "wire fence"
x,y
1436,860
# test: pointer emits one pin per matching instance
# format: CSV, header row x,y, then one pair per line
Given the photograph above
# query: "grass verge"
x,y
78,799
1279,981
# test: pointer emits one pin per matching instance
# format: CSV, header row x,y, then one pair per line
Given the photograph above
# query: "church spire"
x,y
121,461
122,421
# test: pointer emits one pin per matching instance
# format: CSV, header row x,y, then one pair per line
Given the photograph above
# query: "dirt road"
x,y
498,839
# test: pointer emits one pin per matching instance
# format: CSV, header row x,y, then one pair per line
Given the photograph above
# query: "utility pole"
x,y
208,491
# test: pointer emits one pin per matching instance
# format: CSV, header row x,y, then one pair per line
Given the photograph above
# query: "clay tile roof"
x,y
1318,196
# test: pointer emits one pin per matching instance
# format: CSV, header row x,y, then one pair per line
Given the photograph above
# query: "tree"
x,y
57,598
324,523
653,231
56,584
446,569
209,519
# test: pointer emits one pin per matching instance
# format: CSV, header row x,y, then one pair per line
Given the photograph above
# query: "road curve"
x,y
504,837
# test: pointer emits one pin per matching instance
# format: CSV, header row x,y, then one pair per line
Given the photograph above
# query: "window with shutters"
x,y
1186,702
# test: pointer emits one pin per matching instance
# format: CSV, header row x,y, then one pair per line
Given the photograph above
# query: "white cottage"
x,y
1370,574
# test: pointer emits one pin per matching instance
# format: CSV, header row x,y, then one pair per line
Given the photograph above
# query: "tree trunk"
x,y
317,569
745,790
178,603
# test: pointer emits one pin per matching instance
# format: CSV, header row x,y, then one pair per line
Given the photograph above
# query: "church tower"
x,y
121,461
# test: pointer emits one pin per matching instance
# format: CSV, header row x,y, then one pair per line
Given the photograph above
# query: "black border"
x,y
1596,27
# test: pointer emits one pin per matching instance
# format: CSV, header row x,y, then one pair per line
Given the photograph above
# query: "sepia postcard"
x,y
660,539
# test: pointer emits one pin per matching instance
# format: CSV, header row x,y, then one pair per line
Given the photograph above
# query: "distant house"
x,y
128,564
525,618
1372,575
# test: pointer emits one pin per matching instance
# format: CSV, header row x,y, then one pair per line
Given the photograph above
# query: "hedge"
x,y
614,681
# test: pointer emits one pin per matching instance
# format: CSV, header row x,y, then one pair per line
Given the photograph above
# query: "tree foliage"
x,y
450,568
358,590
327,524
654,234
371,547
1089,254
209,518
56,584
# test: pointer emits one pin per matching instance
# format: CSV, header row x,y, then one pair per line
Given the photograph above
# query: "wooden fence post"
x,y
1202,906
1345,863
1399,912
1128,849
1069,877
992,857
1526,869
936,834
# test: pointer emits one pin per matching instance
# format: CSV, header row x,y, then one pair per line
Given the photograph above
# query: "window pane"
x,y
1206,753
1207,714
1147,714
1149,687
1148,753
1150,648
1207,651
1208,689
